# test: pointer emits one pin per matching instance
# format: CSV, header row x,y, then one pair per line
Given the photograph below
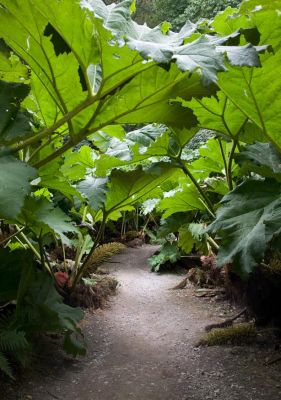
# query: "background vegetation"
x,y
153,12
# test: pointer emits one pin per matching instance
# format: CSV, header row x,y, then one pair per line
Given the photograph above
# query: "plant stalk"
x,y
196,184
7,239
89,256
225,163
229,166
213,243
27,241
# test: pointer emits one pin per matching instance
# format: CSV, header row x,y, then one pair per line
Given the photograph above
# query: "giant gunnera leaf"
x,y
14,122
43,218
253,159
246,222
15,177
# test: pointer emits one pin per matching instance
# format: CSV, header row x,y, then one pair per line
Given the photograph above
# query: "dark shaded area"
x,y
264,296
261,294
60,45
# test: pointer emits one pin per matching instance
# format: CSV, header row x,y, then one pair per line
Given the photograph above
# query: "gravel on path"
x,y
142,347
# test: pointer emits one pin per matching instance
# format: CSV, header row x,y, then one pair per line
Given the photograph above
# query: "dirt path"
x,y
142,348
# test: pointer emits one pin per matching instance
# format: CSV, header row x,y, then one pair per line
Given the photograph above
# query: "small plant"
x,y
101,254
169,253
13,343
94,291
233,335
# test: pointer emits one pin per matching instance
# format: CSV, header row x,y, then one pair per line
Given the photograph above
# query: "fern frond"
x,y
5,366
12,341
102,253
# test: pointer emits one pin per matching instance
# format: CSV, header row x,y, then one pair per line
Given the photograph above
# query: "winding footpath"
x,y
142,347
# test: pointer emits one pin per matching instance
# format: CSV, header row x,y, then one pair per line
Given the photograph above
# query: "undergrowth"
x,y
234,335
103,253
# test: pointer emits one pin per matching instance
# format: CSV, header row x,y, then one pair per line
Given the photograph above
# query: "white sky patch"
x,y
171,193
149,205
257,8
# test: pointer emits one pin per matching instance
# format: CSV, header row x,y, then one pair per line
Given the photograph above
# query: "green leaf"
x,y
107,81
146,135
253,91
42,308
183,199
198,232
76,163
127,188
11,267
201,55
14,123
133,7
42,35
58,183
67,17
165,27
119,150
217,185
147,143
52,177
172,224
15,180
259,6
42,217
244,223
5,366
253,159
95,190
186,241
218,114
228,21
73,346
169,253
12,69
146,98
221,115
211,160
144,143
193,236
13,343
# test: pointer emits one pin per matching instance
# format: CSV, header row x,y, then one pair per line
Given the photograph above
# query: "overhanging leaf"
x,y
183,200
253,91
192,236
11,68
186,241
127,188
42,217
14,123
95,190
243,223
261,158
15,180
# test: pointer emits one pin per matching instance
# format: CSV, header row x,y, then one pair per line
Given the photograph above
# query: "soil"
x,y
142,347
